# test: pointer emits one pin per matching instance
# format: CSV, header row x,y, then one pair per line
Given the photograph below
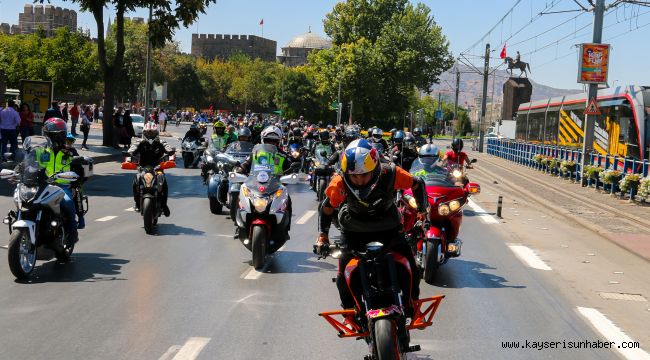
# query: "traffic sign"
x,y
592,108
439,114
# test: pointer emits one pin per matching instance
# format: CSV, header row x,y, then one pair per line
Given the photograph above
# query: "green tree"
x,y
167,17
382,50
257,85
297,96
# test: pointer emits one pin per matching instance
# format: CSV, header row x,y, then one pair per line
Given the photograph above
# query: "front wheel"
x,y
234,205
321,189
258,238
386,343
431,262
215,206
22,254
187,160
148,215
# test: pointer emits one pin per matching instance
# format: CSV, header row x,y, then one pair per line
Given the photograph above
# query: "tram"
x,y
622,129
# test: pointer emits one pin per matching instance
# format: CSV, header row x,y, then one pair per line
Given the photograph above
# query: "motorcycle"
x,y
377,280
321,171
220,191
264,211
203,127
435,239
192,151
150,186
297,153
37,226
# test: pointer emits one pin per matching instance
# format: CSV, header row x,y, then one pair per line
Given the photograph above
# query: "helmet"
x,y
417,132
150,131
349,136
399,137
245,132
56,130
359,158
70,139
429,154
297,132
219,127
272,135
377,133
409,139
457,145
392,132
324,135
329,127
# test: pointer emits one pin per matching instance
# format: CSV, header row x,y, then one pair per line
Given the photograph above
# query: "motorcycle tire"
x,y
63,254
431,262
215,206
187,160
258,247
148,215
321,189
234,205
18,239
386,344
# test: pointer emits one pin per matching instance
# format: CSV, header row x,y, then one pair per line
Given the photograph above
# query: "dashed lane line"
x,y
528,256
192,348
170,352
612,333
4,246
482,214
106,218
303,219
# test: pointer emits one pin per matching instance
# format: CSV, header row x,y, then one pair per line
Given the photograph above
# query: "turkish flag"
x,y
262,22
503,52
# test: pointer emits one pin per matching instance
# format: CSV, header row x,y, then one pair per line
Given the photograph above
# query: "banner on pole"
x,y
594,63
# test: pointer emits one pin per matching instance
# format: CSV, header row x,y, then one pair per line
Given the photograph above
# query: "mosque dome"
x,y
309,41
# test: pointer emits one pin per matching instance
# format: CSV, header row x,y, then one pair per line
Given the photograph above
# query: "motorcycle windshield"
x,y
240,149
32,173
433,175
320,149
265,188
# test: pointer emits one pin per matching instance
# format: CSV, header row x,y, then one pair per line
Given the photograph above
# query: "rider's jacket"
x,y
54,162
261,155
375,209
220,141
459,158
150,153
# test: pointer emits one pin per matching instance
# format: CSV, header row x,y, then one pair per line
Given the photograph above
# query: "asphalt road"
x,y
189,290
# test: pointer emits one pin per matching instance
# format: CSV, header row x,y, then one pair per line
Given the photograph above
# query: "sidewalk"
x,y
624,223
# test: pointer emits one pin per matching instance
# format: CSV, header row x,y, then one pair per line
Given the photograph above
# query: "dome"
x,y
309,41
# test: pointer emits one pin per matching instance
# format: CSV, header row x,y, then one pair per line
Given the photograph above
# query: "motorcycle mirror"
x,y
7,172
289,179
236,178
68,175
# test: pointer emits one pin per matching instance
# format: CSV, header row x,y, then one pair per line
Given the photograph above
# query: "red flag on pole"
x,y
503,52
262,22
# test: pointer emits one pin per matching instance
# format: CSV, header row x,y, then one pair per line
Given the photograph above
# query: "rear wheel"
x,y
148,215
431,261
22,254
258,247
64,253
215,206
386,343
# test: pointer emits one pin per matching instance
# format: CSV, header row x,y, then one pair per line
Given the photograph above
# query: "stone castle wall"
x,y
222,46
47,17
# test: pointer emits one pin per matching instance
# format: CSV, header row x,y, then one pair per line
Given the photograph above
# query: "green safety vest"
x,y
265,158
219,141
54,163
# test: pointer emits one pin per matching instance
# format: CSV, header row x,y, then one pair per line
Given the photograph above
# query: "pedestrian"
x,y
130,131
9,122
96,113
86,118
53,112
162,119
74,117
118,127
26,121
65,113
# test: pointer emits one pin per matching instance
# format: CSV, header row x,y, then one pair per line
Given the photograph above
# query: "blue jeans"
x,y
73,128
9,136
67,205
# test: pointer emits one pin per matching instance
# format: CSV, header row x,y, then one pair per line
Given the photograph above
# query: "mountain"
x,y
471,86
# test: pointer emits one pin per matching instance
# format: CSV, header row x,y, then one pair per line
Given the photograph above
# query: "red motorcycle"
x,y
435,239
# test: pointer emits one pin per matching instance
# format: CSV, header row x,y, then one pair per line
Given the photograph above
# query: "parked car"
x,y
138,124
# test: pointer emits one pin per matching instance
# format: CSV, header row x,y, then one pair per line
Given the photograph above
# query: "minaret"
x,y
108,27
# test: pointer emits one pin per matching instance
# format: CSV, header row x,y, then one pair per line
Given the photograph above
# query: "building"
x,y
296,51
211,46
48,18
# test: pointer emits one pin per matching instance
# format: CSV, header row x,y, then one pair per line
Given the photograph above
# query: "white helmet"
x,y
272,133
150,132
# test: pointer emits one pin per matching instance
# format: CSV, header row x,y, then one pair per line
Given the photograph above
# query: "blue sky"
x,y
545,41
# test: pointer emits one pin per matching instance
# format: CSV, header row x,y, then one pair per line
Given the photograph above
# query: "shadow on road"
x,y
84,267
459,273
294,262
174,230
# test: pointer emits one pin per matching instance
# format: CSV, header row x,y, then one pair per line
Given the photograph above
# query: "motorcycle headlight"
x,y
457,173
27,193
295,154
208,158
443,210
317,163
454,205
148,180
260,204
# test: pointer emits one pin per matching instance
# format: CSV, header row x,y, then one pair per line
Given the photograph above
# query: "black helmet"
x,y
457,145
297,132
399,137
417,132
324,135
245,132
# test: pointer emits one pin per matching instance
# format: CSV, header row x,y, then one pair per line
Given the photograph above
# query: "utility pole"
x,y
590,120
350,118
486,70
440,111
453,128
338,100
147,80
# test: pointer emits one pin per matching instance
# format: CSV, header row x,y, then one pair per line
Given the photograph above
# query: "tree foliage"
x,y
382,50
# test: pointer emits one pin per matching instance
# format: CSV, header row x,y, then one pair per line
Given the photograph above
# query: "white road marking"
x,y
251,274
192,348
4,246
612,333
303,219
246,298
106,218
527,256
223,235
170,352
485,217
129,209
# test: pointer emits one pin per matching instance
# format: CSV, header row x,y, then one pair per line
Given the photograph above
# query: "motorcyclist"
x,y
245,134
194,133
349,136
295,137
151,149
377,137
419,140
364,194
257,131
428,162
324,140
219,138
70,149
232,134
456,155
403,152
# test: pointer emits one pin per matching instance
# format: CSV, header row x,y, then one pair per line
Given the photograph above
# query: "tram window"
x,y
522,126
629,134
536,126
552,119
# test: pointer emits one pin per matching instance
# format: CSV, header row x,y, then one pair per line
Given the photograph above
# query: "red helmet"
x,y
56,130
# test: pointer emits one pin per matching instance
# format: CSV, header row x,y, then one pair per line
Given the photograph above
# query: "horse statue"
x,y
521,65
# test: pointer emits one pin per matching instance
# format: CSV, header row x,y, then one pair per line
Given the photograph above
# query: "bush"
x,y
568,166
592,172
537,159
553,163
644,188
630,181
610,176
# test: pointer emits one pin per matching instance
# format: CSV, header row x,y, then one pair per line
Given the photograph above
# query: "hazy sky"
x,y
545,41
